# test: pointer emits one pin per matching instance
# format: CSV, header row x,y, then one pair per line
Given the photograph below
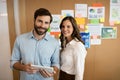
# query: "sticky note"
x,y
102,20
81,26
86,31
94,21
80,20
112,23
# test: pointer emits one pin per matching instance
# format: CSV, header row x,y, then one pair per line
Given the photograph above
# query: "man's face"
x,y
42,24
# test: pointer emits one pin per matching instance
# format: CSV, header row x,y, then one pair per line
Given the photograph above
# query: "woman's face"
x,y
67,29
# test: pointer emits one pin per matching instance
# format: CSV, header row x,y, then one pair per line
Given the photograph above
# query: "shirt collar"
x,y
32,36
73,41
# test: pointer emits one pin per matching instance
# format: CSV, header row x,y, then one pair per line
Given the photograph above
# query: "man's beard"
x,y
39,31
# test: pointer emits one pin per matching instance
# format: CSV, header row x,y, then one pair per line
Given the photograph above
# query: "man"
x,y
36,48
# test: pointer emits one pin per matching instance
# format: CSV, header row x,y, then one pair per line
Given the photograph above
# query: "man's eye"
x,y
46,22
39,20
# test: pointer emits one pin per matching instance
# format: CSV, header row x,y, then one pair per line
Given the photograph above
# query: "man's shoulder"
x,y
52,39
24,35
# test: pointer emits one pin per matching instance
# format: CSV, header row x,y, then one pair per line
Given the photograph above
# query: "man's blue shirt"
x,y
44,52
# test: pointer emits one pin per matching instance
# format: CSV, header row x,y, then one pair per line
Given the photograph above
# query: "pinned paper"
x,y
54,33
62,16
109,33
67,13
80,10
78,15
94,21
59,35
49,30
117,22
86,27
86,31
97,5
102,20
94,36
86,38
114,28
81,26
112,23
96,12
80,20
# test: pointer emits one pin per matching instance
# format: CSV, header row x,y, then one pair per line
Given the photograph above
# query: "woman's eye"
x,y
63,26
68,26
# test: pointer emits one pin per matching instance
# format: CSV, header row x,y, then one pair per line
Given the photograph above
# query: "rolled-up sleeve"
x,y
55,57
15,54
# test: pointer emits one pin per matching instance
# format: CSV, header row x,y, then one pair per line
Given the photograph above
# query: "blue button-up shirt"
x,y
43,52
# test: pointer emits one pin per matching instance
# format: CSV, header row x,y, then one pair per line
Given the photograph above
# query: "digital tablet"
x,y
50,69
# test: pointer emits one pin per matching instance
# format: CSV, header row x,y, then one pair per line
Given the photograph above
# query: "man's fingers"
x,y
45,73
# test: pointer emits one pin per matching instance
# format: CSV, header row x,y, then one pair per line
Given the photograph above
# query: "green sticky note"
x,y
49,30
94,21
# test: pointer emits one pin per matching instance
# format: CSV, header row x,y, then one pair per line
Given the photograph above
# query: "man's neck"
x,y
38,37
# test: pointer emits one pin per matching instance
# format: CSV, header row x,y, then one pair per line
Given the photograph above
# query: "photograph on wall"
x,y
80,10
109,33
95,40
115,13
96,12
86,38
54,26
65,13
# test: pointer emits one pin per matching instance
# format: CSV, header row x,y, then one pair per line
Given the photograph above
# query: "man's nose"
x,y
42,24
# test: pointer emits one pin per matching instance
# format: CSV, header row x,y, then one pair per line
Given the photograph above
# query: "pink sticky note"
x,y
81,26
78,15
112,23
94,36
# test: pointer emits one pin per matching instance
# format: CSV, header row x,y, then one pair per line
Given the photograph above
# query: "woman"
x,y
73,51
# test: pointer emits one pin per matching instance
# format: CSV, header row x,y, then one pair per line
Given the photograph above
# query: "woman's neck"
x,y
68,39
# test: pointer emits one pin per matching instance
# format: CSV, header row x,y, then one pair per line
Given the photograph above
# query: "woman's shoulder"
x,y
76,42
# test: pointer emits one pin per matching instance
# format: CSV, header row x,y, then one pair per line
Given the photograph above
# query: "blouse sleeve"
x,y
79,60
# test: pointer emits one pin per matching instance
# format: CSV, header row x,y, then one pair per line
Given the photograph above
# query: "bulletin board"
x,y
102,61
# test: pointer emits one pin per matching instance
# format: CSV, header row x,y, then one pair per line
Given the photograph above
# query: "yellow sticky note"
x,y
86,31
114,28
102,20
117,22
59,35
80,20
86,27
62,16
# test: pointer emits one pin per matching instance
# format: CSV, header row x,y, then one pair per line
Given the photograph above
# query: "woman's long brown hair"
x,y
75,34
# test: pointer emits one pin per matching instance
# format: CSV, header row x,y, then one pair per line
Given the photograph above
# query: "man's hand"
x,y
46,73
25,67
29,69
